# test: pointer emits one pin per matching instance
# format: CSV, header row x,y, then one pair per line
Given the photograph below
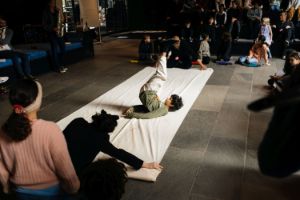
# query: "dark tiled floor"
x,y
213,155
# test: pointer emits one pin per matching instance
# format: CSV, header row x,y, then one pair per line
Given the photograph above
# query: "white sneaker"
x,y
3,79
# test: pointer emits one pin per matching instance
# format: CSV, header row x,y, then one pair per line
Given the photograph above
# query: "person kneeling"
x,y
85,140
257,51
152,106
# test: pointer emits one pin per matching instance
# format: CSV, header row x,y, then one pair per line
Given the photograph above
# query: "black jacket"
x,y
85,142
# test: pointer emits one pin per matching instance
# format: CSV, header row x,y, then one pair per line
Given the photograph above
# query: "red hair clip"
x,y
18,109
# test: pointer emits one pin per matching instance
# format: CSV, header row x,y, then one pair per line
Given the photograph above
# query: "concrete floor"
x,y
213,155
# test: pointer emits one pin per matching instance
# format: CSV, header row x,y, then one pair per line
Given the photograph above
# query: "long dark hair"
x,y
23,93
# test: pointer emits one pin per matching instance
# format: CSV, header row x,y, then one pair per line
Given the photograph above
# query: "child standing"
x,y
266,30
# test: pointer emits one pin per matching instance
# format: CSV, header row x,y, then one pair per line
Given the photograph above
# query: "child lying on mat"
x,y
153,107
85,140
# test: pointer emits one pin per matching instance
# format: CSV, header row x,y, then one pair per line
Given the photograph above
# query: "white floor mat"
x,y
148,139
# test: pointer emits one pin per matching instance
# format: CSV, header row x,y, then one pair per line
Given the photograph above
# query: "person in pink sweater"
x,y
34,157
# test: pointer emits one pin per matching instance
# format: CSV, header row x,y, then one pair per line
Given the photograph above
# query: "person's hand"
x,y
233,19
287,27
127,112
153,165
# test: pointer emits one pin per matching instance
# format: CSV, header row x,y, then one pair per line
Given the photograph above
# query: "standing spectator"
x,y
52,18
224,50
221,17
34,154
284,31
23,69
266,30
233,20
254,15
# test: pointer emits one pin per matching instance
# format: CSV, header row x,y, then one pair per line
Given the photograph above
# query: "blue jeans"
x,y
57,50
22,68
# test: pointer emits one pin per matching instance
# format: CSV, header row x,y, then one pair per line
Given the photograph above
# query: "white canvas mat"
x,y
148,139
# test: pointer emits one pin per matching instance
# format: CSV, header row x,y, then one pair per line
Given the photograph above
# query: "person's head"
x,y
205,36
104,179
211,20
147,39
283,16
221,8
105,122
234,4
25,98
174,102
294,59
265,21
2,22
176,40
52,3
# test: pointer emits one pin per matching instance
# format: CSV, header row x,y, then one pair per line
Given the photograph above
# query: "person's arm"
x,y
62,162
8,36
163,110
200,56
4,177
120,154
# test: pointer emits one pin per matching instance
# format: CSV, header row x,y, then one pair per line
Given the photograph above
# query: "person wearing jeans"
x,y
22,68
50,22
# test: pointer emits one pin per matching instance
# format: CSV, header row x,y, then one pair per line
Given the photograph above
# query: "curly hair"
x,y
176,101
105,122
17,126
104,179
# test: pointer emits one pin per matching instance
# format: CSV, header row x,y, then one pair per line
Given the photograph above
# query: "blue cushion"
x,y
8,62
72,46
36,54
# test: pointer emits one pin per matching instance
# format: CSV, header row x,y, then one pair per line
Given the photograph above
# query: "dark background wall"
x,y
20,12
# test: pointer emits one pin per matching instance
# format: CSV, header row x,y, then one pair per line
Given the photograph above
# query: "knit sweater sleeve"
x,y
4,176
62,161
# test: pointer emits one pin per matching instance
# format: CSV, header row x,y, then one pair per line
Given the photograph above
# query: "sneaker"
x,y
3,79
63,70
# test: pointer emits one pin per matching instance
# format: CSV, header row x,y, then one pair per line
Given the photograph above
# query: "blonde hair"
x,y
266,20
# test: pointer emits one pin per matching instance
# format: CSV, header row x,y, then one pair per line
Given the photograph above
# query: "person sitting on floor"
x,y
146,50
149,98
182,54
257,51
204,52
85,140
34,154
278,81
103,179
3,80
23,68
